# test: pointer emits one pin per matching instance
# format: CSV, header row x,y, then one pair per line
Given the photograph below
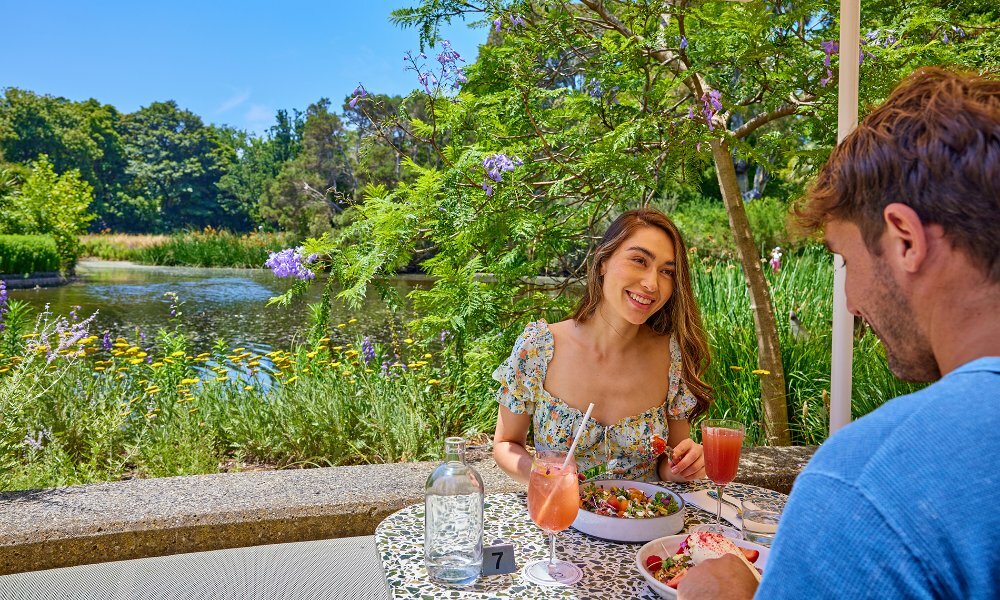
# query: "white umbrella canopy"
x,y
847,120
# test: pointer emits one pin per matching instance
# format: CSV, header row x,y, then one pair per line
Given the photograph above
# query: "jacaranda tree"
x,y
577,109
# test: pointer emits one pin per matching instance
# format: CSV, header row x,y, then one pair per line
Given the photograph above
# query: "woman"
x,y
635,348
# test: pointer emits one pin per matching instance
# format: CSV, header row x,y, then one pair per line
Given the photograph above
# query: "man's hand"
x,y
726,577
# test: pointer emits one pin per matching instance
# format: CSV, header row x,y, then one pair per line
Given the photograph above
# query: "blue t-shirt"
x,y
904,503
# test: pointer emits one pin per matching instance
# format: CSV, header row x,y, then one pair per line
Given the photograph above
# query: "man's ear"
x,y
905,242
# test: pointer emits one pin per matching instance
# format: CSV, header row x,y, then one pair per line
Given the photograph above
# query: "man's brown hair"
x,y
934,145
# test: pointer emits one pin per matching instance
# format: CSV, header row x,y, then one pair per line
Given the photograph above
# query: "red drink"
x,y
553,495
722,453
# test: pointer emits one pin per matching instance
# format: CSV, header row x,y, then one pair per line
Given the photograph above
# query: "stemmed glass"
x,y
553,502
722,440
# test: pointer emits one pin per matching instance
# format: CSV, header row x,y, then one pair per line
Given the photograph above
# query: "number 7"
x,y
499,555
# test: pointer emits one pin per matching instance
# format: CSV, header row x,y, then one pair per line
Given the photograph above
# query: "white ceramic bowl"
x,y
667,546
630,530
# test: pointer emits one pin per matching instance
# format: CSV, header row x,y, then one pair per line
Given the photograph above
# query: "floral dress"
x,y
624,448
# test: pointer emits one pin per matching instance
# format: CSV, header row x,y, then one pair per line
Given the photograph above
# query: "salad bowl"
x,y
667,546
634,528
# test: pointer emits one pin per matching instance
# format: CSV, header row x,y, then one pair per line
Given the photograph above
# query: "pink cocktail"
x,y
723,442
553,502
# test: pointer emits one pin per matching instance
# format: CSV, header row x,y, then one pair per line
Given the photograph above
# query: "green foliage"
x,y
50,204
207,248
23,254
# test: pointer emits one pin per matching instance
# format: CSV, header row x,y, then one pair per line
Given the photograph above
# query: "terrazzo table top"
x,y
609,569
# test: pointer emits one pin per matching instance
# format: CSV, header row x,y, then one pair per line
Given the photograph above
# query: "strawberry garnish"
x,y
751,555
654,562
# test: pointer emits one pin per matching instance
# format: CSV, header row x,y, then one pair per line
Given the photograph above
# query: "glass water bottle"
x,y
453,518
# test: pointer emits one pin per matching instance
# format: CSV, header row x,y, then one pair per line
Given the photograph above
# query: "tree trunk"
x,y
772,385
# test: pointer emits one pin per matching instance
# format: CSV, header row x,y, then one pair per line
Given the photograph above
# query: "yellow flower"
x,y
156,365
5,369
351,353
352,321
760,372
248,388
338,348
291,379
189,381
341,325
193,409
240,349
135,361
222,378
428,355
98,369
735,368
324,340
177,354
433,381
203,355
152,389
310,354
408,340
335,364
141,355
369,371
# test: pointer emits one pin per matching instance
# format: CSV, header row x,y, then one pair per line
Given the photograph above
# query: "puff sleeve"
x,y
522,374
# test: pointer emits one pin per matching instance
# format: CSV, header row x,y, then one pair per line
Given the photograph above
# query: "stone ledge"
x,y
61,527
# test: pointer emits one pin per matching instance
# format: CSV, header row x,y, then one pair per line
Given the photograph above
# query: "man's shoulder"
x,y
961,406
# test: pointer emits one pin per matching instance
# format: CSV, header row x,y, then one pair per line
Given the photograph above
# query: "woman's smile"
x,y
639,301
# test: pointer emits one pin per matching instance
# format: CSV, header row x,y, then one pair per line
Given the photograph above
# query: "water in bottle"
x,y
453,519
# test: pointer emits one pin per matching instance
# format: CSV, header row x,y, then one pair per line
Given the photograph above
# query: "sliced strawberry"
x,y
751,555
675,581
654,562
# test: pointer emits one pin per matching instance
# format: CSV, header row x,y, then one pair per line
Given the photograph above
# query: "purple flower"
x,y
497,22
106,342
516,21
593,88
289,263
496,165
449,74
3,302
488,189
711,104
445,334
35,440
684,43
358,93
830,47
367,350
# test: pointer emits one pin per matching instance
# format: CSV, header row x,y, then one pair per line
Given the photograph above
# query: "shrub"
x,y
23,254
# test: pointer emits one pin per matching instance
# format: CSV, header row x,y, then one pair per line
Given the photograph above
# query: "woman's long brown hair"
x,y
679,315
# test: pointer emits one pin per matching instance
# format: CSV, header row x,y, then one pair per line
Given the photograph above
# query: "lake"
x,y
229,304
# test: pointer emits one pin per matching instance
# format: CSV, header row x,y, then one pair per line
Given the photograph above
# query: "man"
x,y
905,503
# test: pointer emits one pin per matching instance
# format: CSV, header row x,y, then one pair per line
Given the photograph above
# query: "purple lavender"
x,y
3,302
35,440
106,342
367,350
290,263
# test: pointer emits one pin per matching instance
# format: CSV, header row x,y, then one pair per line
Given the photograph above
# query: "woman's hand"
x,y
688,462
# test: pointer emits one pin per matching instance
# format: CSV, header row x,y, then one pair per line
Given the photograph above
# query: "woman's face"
x,y
639,276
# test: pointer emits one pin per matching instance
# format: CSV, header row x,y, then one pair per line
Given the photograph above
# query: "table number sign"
x,y
498,558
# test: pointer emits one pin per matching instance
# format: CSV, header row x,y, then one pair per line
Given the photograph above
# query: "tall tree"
x,y
177,161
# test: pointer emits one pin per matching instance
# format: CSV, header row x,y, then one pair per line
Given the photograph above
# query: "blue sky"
x,y
230,62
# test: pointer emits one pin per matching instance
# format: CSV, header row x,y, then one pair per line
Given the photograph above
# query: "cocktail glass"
x,y
553,502
722,440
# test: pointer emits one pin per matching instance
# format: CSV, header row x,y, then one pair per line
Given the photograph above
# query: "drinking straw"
x,y
576,438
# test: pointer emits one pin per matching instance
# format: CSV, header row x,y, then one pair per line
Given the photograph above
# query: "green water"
x,y
229,304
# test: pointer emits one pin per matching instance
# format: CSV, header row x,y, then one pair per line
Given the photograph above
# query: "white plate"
x,y
667,546
630,530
